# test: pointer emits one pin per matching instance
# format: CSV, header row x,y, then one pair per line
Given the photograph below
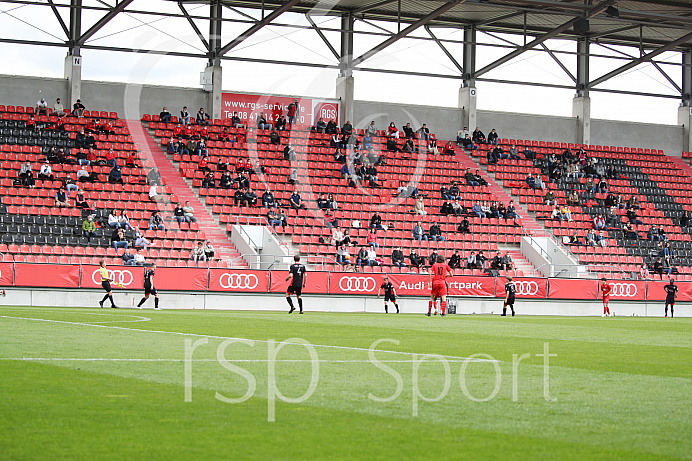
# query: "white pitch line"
x,y
326,346
100,359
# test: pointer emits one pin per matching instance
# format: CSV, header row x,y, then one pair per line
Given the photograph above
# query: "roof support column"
x,y
213,74
344,82
467,92
581,104
73,60
685,109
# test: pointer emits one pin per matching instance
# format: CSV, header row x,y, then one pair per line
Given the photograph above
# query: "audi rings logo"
x,y
123,278
357,284
527,288
238,281
626,290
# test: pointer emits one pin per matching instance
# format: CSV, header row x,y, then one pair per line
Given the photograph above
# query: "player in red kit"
x,y
437,280
606,289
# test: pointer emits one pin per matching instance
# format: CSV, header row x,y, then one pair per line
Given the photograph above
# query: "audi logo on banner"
x,y
362,284
124,278
626,290
526,288
238,281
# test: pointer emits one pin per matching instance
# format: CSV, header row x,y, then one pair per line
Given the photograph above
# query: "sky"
x,y
281,43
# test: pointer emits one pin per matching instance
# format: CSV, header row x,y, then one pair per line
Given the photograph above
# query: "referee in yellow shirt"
x,y
106,284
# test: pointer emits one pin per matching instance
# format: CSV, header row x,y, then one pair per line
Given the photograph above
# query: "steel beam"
x,y
372,6
583,56
75,27
558,62
645,58
253,29
59,18
194,26
445,50
322,36
103,21
667,77
215,15
553,33
470,57
687,77
346,57
394,38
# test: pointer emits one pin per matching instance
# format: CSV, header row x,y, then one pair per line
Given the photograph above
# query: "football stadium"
x,y
352,229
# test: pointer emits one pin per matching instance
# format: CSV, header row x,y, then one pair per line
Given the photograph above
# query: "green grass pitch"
x,y
80,383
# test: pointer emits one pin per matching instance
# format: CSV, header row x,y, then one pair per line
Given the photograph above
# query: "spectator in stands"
x,y
347,129
320,126
250,197
462,135
455,260
573,198
684,219
393,131
376,221
660,267
602,186
42,107
273,217
630,233
330,219
293,113
534,182
80,201
331,127
446,209
633,203
113,220
511,211
139,258
209,250
409,146
225,182
477,210
478,137
165,116
644,273
154,177
184,116
419,207
156,221
371,130
415,260
458,209
262,122
58,107
209,181
322,202
398,257
239,196
493,137
141,241
332,202
652,234
432,258
280,123
611,217
118,239
371,239
268,199
295,201
632,217
78,109
25,170
566,212
408,131
599,222
131,160
418,233
471,262
179,214
337,237
436,233
448,149
611,173
496,262
293,177
432,146
198,253
362,256
423,132
591,238
155,194
549,198
556,213
274,137
61,198
46,172
89,228
203,165
481,260
343,256
236,122
485,208
470,178
202,117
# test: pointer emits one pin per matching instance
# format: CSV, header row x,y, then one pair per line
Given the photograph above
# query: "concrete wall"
x,y
133,100
358,304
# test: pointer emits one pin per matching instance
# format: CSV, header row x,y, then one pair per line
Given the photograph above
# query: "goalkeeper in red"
x,y
606,289
438,283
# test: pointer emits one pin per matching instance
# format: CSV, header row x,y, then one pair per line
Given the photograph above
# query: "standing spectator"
x,y
89,228
293,113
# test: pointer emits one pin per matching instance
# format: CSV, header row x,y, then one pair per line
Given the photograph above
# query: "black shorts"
x,y
391,298
296,290
149,290
670,301
509,301
106,285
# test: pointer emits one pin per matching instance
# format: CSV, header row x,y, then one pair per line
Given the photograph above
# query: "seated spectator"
x,y
280,123
470,178
398,257
446,209
432,258
295,201
660,267
347,129
464,226
415,260
331,127
409,146
512,211
408,131
496,262
78,109
376,221
424,133
273,217
332,202
599,222
139,258
611,217
268,199
481,260
566,212
507,263
239,197
156,221
46,172
343,256
418,233
41,107
293,177
393,131
471,262
362,257
448,148
392,145
630,233
684,219
419,207
493,137
652,234
141,241
322,202
477,210
118,239
549,198
436,233
58,107
61,198
89,228
165,116
274,137
485,208
262,122
478,137
209,250
458,209
632,217
534,182
250,197
469,144
557,213
124,221
236,122
225,181
455,260
573,199
202,117
198,254
644,273
372,238
462,135
178,213
155,195
603,186
633,203
321,126
209,181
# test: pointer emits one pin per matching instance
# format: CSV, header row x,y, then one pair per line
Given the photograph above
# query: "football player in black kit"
x,y
389,294
297,273
149,287
510,291
672,290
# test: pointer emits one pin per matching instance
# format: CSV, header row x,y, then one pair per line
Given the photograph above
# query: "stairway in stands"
x,y
529,224
224,248
682,164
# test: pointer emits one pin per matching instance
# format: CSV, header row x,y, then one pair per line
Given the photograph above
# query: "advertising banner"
x,y
316,282
181,278
46,275
248,107
238,280
633,290
130,277
526,287
656,292
573,289
6,274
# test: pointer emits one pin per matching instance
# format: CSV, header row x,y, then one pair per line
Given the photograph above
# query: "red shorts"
x,y
439,289
606,299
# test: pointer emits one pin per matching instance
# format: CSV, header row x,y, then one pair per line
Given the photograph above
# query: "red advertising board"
x,y
248,107
6,274
316,282
631,290
181,278
238,281
130,277
46,275
350,283
408,284
573,289
655,291
526,287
